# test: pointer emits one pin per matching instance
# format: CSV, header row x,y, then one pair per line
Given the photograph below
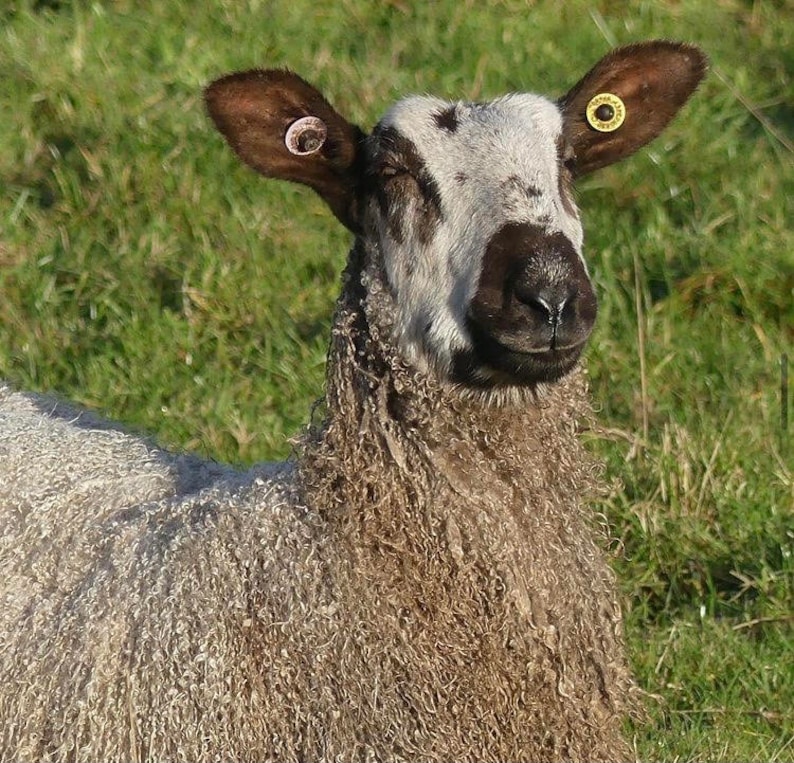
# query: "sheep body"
x,y
422,580
398,618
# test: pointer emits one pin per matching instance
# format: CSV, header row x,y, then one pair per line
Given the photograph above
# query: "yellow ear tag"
x,y
605,112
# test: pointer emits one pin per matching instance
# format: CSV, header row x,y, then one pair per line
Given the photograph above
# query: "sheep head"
x,y
469,204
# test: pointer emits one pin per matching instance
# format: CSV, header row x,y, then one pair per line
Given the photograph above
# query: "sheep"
x,y
422,580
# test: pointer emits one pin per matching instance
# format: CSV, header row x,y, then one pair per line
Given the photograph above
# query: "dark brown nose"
x,y
553,293
534,307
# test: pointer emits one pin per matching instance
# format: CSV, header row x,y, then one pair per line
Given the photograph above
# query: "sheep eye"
x,y
389,171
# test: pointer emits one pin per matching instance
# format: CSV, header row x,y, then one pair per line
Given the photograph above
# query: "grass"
x,y
144,273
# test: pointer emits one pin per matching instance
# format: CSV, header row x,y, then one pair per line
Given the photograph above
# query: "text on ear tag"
x,y
605,112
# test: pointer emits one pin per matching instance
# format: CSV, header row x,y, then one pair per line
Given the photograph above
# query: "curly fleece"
x,y
423,581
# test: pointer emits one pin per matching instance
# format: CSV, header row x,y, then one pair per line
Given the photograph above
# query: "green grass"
x,y
146,274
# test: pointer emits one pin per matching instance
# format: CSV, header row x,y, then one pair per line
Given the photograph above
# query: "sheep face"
x,y
481,242
468,206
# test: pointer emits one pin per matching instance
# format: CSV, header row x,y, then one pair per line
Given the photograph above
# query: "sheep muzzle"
x,y
534,307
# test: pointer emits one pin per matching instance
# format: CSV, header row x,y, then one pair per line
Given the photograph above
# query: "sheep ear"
x,y
644,85
284,128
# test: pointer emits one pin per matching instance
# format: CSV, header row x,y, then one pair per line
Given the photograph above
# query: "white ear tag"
x,y
605,112
306,136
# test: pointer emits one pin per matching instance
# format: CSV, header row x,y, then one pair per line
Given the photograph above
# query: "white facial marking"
x,y
491,164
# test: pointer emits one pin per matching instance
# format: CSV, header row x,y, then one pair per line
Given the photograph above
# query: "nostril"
x,y
548,302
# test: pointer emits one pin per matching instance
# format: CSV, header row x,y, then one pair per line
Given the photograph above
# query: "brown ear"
x,y
283,127
652,79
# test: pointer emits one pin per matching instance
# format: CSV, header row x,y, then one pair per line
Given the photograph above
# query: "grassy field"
x,y
144,273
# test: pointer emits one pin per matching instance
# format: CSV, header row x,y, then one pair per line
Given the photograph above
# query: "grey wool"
x,y
424,580
368,601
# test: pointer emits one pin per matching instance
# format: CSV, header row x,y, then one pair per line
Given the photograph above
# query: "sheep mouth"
x,y
497,359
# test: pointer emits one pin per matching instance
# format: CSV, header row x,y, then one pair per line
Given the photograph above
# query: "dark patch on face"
x,y
461,177
446,119
516,183
398,177
487,364
565,177
532,313
466,368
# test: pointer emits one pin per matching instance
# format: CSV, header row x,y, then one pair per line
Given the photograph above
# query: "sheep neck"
x,y
405,449
463,523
